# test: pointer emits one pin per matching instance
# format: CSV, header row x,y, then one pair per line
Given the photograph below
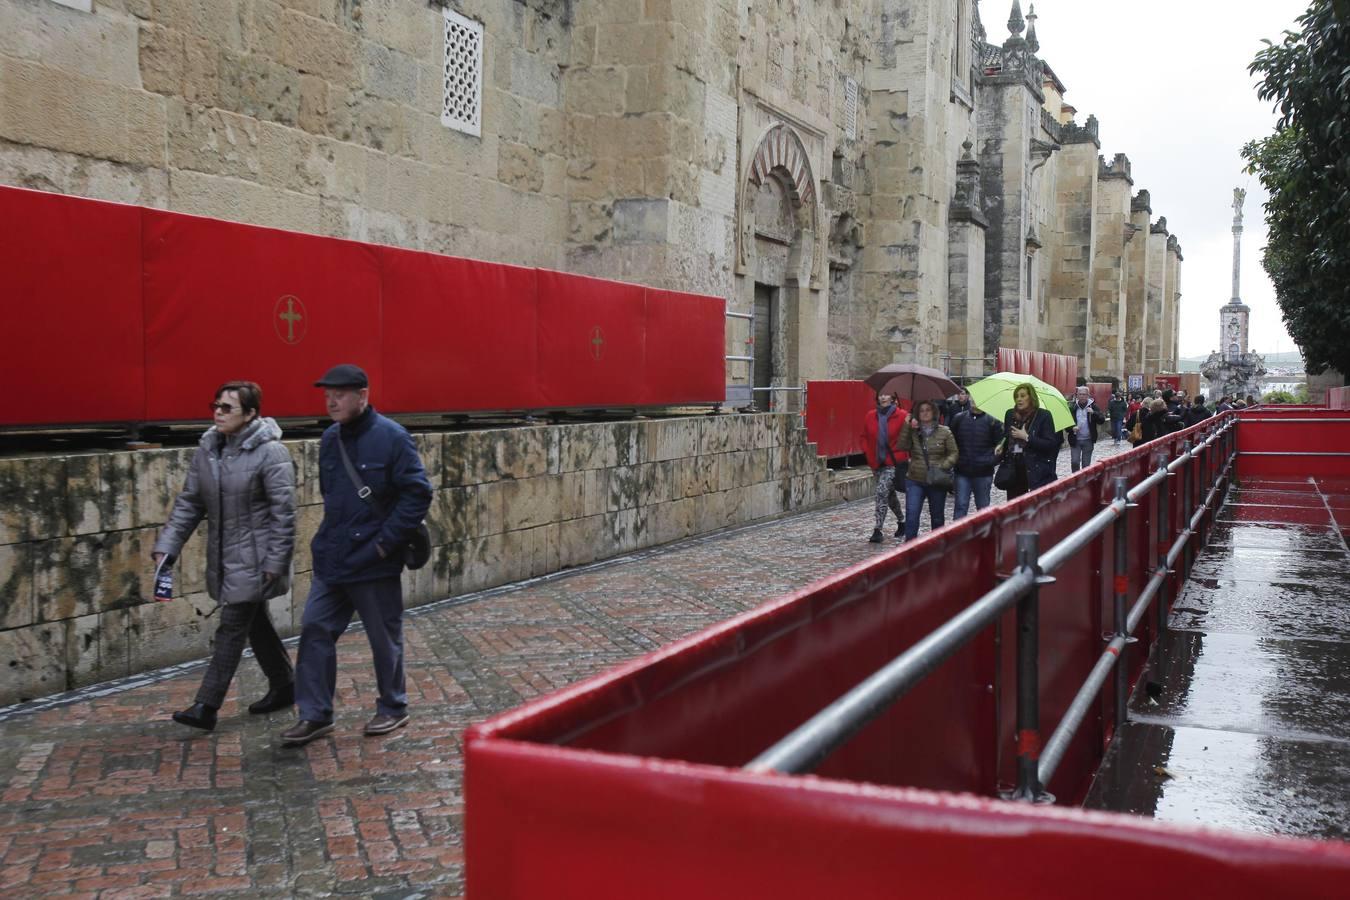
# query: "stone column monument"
x,y
1233,369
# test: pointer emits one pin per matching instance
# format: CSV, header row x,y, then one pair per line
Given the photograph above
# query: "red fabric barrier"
x,y
1053,368
554,822
834,415
226,301
654,742
74,351
484,356
156,309
1338,398
1299,443
686,337
592,348
1101,395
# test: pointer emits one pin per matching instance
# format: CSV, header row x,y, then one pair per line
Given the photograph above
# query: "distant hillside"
x,y
1292,359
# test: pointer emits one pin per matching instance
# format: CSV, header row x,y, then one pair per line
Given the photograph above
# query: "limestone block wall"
x,y
320,116
1136,287
1071,244
76,531
1110,277
1171,306
1154,351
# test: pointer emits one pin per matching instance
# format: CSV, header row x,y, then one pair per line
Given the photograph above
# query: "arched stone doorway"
x,y
778,257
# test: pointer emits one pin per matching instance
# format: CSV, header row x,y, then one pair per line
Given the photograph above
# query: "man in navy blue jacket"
x,y
358,554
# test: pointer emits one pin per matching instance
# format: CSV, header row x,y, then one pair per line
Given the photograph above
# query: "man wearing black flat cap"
x,y
375,494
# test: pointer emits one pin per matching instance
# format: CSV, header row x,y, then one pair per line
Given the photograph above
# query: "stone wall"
x,y
320,116
1110,279
76,531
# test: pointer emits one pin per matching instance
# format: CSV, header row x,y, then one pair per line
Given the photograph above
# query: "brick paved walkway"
x,y
105,796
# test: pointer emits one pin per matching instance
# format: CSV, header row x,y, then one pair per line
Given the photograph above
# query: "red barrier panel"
x,y
1281,442
1338,398
623,784
74,351
686,337
1053,368
490,358
592,347
132,315
834,415
226,301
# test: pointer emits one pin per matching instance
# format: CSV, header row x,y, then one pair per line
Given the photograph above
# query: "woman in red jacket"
x,y
881,430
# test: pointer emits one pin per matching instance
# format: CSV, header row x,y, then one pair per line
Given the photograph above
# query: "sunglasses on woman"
x,y
224,407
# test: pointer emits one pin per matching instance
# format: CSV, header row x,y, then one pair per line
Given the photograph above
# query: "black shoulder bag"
x,y
417,547
937,477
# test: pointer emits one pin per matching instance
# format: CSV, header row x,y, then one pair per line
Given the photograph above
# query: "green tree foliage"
x,y
1305,166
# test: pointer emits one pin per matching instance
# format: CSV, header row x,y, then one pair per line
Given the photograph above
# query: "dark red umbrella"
x,y
912,382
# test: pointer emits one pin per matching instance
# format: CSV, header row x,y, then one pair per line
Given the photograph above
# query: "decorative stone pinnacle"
x,y
1016,24
966,145
1032,41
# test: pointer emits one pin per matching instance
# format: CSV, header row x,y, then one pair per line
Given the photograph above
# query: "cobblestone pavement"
x,y
103,795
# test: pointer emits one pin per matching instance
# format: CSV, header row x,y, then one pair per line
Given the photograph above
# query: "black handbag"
x,y
417,547
1005,474
937,477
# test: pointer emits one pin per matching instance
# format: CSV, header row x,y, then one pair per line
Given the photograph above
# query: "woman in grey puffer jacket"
x,y
242,482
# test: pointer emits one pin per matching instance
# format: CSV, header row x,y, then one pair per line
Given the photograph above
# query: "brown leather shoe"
x,y
303,732
383,724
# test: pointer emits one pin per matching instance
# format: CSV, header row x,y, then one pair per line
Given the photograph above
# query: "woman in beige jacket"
x,y
932,457
242,482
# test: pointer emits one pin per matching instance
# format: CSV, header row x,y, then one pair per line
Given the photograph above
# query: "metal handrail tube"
x,y
820,735
1069,724
1081,536
811,742
1053,752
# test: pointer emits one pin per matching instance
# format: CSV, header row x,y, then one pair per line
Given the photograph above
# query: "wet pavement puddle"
x,y
1246,722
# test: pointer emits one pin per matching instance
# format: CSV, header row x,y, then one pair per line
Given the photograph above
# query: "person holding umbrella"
x,y
881,431
1033,442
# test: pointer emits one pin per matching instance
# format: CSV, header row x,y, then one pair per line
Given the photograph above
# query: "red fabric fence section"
x,y
834,415
121,314
74,347
226,301
1052,368
1338,398
631,782
1295,443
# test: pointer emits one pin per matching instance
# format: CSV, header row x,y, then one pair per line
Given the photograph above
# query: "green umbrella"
x,y
994,395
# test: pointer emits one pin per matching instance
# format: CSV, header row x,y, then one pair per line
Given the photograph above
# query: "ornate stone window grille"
x,y
462,101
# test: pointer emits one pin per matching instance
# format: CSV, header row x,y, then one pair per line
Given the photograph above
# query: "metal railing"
x,y
803,749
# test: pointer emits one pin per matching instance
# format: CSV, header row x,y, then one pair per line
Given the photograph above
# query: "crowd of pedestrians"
x,y
953,446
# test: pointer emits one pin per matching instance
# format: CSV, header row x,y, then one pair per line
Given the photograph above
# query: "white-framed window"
x,y
462,103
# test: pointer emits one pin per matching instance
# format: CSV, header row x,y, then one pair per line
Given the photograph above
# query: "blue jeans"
x,y
979,485
915,493
1116,430
328,610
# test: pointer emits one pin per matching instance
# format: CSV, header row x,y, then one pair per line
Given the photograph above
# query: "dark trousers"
x,y
328,610
240,622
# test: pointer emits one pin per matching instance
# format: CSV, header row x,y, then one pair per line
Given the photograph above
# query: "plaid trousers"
x,y
240,623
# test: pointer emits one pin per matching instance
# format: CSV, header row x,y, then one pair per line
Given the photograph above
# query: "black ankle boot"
x,y
198,715
876,536
276,698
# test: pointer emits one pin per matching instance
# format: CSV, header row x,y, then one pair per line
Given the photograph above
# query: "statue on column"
x,y
1239,198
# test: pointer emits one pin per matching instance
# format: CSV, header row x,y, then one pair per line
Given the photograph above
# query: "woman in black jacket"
x,y
1032,447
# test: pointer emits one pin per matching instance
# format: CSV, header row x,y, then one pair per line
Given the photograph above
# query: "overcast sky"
x,y
1168,82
